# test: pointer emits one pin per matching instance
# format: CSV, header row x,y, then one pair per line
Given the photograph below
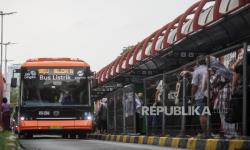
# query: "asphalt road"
x,y
56,143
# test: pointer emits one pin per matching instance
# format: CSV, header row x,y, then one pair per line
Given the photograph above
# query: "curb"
x,y
176,142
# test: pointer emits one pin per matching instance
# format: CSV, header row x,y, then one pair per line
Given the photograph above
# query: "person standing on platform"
x,y
6,114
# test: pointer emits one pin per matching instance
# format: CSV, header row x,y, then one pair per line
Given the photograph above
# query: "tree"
x,y
14,94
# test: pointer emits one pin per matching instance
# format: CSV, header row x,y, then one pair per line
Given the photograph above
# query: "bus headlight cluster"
x,y
87,116
22,118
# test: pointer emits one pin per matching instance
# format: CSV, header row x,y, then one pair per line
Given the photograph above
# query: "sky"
x,y
92,30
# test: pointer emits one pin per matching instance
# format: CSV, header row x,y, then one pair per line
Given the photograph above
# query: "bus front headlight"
x,y
22,118
89,117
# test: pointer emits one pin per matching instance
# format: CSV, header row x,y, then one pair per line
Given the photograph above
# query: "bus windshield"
x,y
54,87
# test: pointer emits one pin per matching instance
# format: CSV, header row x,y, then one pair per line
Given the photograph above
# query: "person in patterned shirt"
x,y
221,88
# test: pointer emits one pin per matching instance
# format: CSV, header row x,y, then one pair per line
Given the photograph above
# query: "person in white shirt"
x,y
197,92
159,92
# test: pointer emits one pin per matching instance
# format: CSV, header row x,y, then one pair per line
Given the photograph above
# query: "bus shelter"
x,y
218,28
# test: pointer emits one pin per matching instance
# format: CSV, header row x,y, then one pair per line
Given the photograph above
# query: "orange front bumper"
x,y
48,124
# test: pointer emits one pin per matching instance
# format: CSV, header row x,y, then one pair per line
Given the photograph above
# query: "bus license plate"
x,y
56,127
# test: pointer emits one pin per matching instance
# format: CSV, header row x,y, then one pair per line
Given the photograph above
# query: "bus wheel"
x,y
82,136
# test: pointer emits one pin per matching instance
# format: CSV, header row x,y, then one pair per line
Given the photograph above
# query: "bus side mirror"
x,y
13,82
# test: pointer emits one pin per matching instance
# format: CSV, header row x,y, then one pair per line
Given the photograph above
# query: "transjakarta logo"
x,y
30,74
175,110
80,73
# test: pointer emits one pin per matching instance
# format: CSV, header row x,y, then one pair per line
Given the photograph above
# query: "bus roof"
x,y
55,62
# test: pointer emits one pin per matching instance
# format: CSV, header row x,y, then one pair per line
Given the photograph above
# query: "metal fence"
x,y
177,92
111,123
119,119
121,110
129,109
154,122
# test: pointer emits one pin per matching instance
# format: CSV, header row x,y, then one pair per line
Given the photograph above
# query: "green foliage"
x,y
125,49
14,96
8,141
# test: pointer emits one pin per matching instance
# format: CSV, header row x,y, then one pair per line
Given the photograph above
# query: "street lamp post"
x,y
3,14
1,55
6,60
